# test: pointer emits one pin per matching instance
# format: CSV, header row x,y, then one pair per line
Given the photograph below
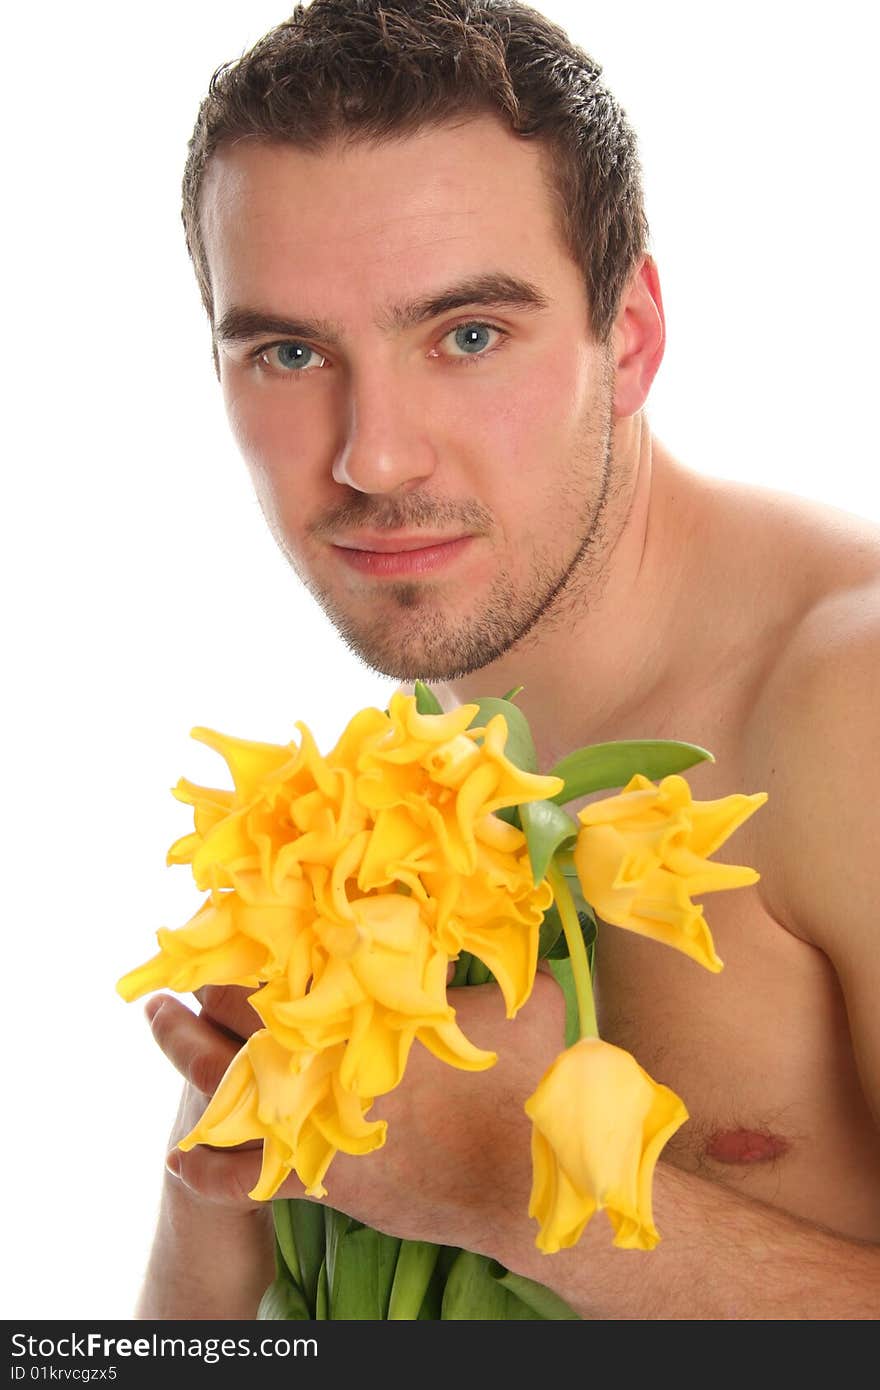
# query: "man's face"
x,y
408,371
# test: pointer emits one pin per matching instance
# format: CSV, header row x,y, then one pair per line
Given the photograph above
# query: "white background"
x,y
144,594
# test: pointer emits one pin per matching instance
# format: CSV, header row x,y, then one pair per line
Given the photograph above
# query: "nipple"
x,y
745,1146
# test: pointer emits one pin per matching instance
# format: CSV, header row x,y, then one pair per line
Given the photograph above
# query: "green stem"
x,y
285,1245
577,951
416,1261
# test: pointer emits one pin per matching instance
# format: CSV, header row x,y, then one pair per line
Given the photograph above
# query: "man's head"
x,y
416,368
372,69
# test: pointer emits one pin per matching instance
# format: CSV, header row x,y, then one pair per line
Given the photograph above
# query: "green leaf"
x,y
512,693
433,1300
283,1302
520,746
322,1300
307,1232
478,972
413,1273
426,700
336,1223
432,1303
546,827
462,966
550,931
602,765
281,1218
470,970
544,1301
363,1274
564,977
472,1293
589,931
446,1259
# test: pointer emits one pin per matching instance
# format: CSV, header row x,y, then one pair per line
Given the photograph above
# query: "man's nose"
x,y
385,445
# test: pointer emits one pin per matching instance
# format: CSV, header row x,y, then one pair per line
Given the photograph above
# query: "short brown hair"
x,y
374,69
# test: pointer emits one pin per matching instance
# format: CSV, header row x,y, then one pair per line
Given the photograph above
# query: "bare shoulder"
x,y
813,739
812,736
804,582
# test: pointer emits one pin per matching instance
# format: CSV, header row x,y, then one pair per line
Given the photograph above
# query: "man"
x,y
419,236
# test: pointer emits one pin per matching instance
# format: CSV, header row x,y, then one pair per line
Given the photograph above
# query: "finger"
x,y
228,1007
198,1049
218,1175
225,1176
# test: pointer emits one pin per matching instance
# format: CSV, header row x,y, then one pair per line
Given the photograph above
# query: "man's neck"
x,y
600,653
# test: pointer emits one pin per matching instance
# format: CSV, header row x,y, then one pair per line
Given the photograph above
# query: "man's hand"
x,y
456,1164
212,1254
201,1046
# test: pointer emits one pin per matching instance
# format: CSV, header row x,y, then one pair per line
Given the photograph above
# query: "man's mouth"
x,y
410,554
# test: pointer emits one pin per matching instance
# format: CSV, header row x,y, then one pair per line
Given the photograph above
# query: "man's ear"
x,y
638,339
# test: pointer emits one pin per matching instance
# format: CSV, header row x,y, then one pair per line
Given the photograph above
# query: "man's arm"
x,y
721,1257
456,1170
214,1257
206,1261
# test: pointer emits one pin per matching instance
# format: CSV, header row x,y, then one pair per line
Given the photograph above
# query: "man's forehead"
x,y
406,220
481,144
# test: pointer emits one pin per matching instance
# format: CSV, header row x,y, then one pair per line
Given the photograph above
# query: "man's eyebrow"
x,y
496,291
240,324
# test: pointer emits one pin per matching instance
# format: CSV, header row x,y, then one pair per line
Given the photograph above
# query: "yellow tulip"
x,y
235,938
377,986
429,781
599,1123
495,914
289,807
296,1104
340,887
297,855
640,856
410,737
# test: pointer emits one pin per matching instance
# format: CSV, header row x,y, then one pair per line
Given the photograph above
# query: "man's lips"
x,y
386,542
395,555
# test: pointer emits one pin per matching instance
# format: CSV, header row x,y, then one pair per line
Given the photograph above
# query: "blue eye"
x,y
471,339
291,358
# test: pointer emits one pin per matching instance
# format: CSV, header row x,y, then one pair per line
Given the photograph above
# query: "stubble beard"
x,y
412,638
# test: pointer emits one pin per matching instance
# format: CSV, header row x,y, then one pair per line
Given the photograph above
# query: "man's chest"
x,y
760,1055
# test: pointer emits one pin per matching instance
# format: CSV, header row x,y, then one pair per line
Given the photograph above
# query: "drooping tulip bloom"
x,y
599,1123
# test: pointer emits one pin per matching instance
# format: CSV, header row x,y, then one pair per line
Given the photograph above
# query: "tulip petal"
x,y
376,1054
448,1042
600,1123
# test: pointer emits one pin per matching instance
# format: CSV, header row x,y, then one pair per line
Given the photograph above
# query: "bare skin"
x,y
746,621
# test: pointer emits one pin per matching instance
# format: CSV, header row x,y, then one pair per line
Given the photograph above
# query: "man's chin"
x,y
411,662
423,648
416,631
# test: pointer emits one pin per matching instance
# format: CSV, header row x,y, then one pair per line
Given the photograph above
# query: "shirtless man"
x,y
439,384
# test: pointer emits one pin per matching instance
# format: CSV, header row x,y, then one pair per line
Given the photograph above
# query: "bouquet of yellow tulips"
x,y
341,888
